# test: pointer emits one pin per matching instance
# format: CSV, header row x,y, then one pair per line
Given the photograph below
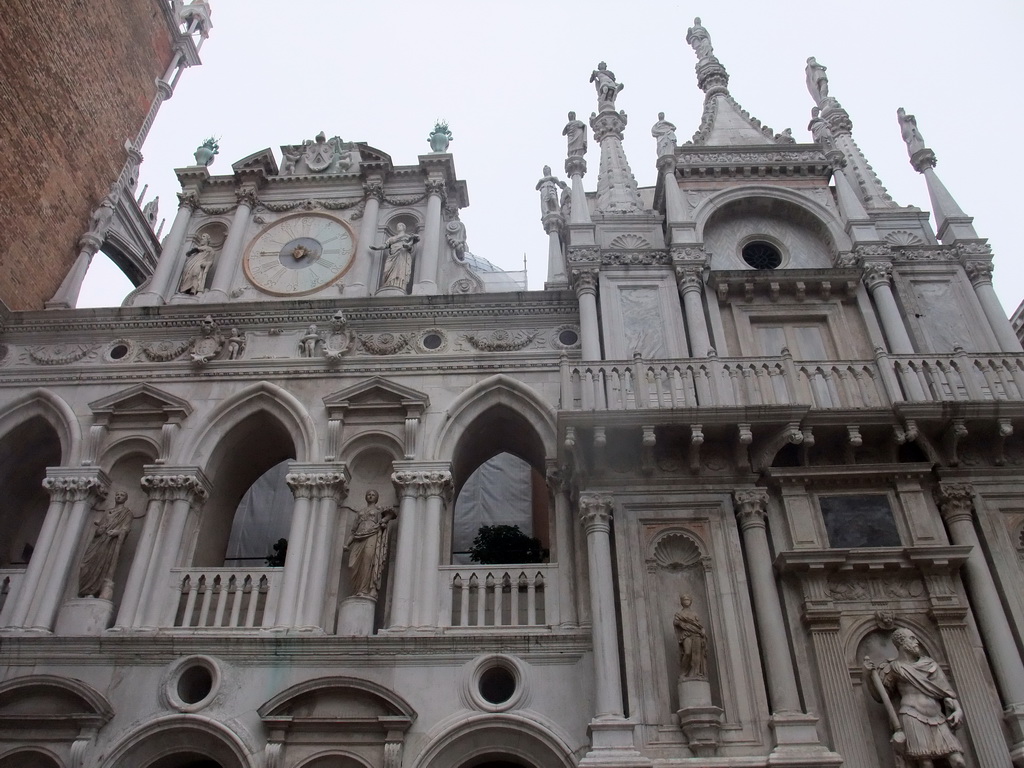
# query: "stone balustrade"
x,y
624,385
498,596
224,598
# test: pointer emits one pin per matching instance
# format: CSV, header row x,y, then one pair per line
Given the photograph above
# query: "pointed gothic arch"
x,y
55,411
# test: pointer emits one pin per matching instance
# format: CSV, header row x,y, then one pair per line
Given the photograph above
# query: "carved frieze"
x,y
639,258
384,343
501,340
61,354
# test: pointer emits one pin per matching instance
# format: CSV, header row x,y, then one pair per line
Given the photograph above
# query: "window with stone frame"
x,y
854,521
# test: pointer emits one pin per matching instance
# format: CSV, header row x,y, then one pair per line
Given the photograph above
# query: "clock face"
x,y
301,254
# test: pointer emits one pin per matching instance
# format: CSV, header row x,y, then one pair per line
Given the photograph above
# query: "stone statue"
x,y
820,130
575,132
104,213
548,188
786,137
565,201
309,342
692,639
367,546
698,38
927,708
911,136
817,81
197,266
290,156
236,344
665,134
110,529
398,262
607,88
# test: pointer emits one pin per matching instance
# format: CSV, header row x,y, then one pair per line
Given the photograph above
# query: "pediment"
x,y
143,402
377,394
263,160
48,699
341,701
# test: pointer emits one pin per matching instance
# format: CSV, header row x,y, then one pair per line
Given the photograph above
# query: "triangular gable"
x,y
376,394
725,123
142,402
263,160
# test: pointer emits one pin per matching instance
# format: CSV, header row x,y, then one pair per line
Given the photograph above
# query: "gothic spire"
x,y
616,185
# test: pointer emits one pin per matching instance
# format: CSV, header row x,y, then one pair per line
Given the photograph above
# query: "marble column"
x,y
426,282
231,254
168,266
878,279
82,489
144,553
980,274
331,488
302,486
579,212
691,288
410,488
585,284
956,502
565,548
553,223
437,489
67,293
363,276
595,516
185,489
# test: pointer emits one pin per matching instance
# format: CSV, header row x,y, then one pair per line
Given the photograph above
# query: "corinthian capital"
x,y
584,281
174,486
956,501
73,486
877,273
751,507
596,511
690,279
979,272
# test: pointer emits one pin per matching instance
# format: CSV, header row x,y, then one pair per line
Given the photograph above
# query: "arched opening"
x,y
186,761
28,759
248,458
499,480
262,520
105,284
180,743
25,453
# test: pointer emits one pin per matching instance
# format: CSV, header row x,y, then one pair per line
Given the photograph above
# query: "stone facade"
x,y
78,84
768,427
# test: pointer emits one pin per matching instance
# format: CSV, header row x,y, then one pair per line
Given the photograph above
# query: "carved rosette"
x,y
751,508
956,501
596,512
175,487
384,343
877,273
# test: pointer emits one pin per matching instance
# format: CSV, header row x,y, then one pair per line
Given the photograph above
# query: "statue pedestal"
x,y
84,616
355,619
700,720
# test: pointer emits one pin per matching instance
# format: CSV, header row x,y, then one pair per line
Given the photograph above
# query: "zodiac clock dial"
x,y
300,254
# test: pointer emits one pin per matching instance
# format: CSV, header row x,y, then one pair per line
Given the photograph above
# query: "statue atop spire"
x,y
607,87
817,83
921,157
711,75
698,38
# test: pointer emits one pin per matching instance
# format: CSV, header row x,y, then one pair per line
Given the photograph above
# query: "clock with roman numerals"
x,y
300,254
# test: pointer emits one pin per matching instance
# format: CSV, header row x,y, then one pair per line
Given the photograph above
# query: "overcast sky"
x,y
504,77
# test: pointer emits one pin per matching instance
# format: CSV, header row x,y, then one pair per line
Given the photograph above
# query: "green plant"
x,y
501,544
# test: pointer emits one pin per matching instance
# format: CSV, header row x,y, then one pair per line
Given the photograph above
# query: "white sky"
x,y
505,75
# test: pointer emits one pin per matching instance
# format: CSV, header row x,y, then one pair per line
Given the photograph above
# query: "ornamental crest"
x,y
320,152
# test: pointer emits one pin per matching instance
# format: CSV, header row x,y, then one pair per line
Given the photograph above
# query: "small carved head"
x,y
120,497
547,170
904,638
372,496
602,66
572,115
686,600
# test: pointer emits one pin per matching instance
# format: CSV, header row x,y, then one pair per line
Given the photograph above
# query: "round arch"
x,y
30,757
52,409
716,203
502,740
183,737
282,406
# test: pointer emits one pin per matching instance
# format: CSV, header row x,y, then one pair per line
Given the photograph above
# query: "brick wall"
x,y
76,80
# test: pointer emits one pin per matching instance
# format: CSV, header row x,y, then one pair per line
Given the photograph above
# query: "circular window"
x,y
192,683
497,685
118,351
761,255
432,341
568,337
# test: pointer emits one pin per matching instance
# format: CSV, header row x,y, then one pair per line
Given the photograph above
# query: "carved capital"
x,y
877,273
690,279
923,159
408,484
837,117
435,187
247,196
584,281
751,508
575,166
956,501
437,483
608,124
979,272
75,487
176,487
552,222
374,189
596,511
305,485
188,200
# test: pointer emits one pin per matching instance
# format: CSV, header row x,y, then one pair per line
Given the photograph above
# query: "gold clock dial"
x,y
300,254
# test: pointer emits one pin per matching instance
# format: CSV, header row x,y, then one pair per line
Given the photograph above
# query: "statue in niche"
x,y
236,344
367,546
398,262
110,528
308,343
575,133
548,188
607,88
698,38
664,133
926,709
692,639
817,81
908,128
197,266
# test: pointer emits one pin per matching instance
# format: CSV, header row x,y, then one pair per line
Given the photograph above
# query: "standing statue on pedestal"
x,y
110,528
908,128
197,266
367,546
692,639
607,88
548,188
575,132
698,38
817,81
398,263
926,708
665,134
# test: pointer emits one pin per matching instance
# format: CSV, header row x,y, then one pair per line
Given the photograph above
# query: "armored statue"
x,y
606,85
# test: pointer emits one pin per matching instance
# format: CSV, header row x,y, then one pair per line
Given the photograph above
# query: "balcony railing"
x,y
495,596
224,598
611,385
